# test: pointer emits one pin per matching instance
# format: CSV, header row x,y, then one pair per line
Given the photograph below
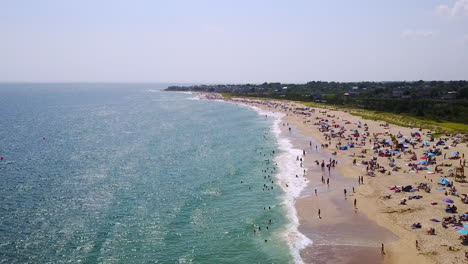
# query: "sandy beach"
x,y
385,210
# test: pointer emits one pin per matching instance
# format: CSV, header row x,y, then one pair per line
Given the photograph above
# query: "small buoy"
x,y
1,158
43,138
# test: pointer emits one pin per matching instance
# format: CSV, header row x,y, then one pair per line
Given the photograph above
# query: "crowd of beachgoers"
x,y
415,186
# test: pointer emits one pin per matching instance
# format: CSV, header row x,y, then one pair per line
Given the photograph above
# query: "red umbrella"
x,y
423,158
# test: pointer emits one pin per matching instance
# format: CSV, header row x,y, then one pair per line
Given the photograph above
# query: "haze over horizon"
x,y
233,41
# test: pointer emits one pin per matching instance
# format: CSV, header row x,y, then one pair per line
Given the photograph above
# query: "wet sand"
x,y
340,236
343,234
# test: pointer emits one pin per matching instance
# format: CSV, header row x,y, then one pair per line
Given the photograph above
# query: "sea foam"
x,y
288,168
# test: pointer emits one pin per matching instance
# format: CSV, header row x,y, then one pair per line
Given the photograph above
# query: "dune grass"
x,y
398,119
391,118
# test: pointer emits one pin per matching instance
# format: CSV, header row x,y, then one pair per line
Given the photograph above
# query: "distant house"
x,y
397,93
449,95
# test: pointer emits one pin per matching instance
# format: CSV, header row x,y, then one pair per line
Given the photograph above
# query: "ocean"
x,y
127,173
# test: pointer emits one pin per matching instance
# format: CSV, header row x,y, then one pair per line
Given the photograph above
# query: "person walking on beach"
x,y
328,181
383,249
355,203
344,191
315,192
320,217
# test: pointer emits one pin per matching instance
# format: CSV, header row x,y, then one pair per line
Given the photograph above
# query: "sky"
x,y
233,41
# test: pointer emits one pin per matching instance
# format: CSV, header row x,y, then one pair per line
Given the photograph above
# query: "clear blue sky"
x,y
232,40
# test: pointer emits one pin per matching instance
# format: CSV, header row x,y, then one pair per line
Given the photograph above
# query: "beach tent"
x,y
444,181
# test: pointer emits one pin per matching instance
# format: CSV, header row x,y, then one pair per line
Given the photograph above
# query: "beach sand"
x,y
348,235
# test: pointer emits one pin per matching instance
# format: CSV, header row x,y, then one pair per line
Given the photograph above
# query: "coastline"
x,y
399,246
311,241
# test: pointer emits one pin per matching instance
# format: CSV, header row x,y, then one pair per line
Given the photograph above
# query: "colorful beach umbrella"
x,y
463,231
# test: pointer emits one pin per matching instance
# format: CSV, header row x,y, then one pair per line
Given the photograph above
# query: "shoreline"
x,y
442,248
303,237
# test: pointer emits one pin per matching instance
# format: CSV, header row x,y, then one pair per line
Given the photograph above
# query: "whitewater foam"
x,y
288,168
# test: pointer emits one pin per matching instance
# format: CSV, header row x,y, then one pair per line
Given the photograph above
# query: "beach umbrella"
x,y
463,231
423,162
423,158
431,154
447,200
454,153
445,181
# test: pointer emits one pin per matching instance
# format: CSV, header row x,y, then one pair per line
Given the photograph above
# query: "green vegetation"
x,y
438,105
391,118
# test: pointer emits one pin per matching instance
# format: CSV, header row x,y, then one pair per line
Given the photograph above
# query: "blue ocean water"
x,y
125,173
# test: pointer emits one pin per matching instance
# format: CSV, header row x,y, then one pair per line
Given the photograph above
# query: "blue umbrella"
x,y
454,153
463,231
431,154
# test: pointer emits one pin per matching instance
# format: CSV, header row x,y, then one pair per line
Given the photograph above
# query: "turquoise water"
x,y
123,173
